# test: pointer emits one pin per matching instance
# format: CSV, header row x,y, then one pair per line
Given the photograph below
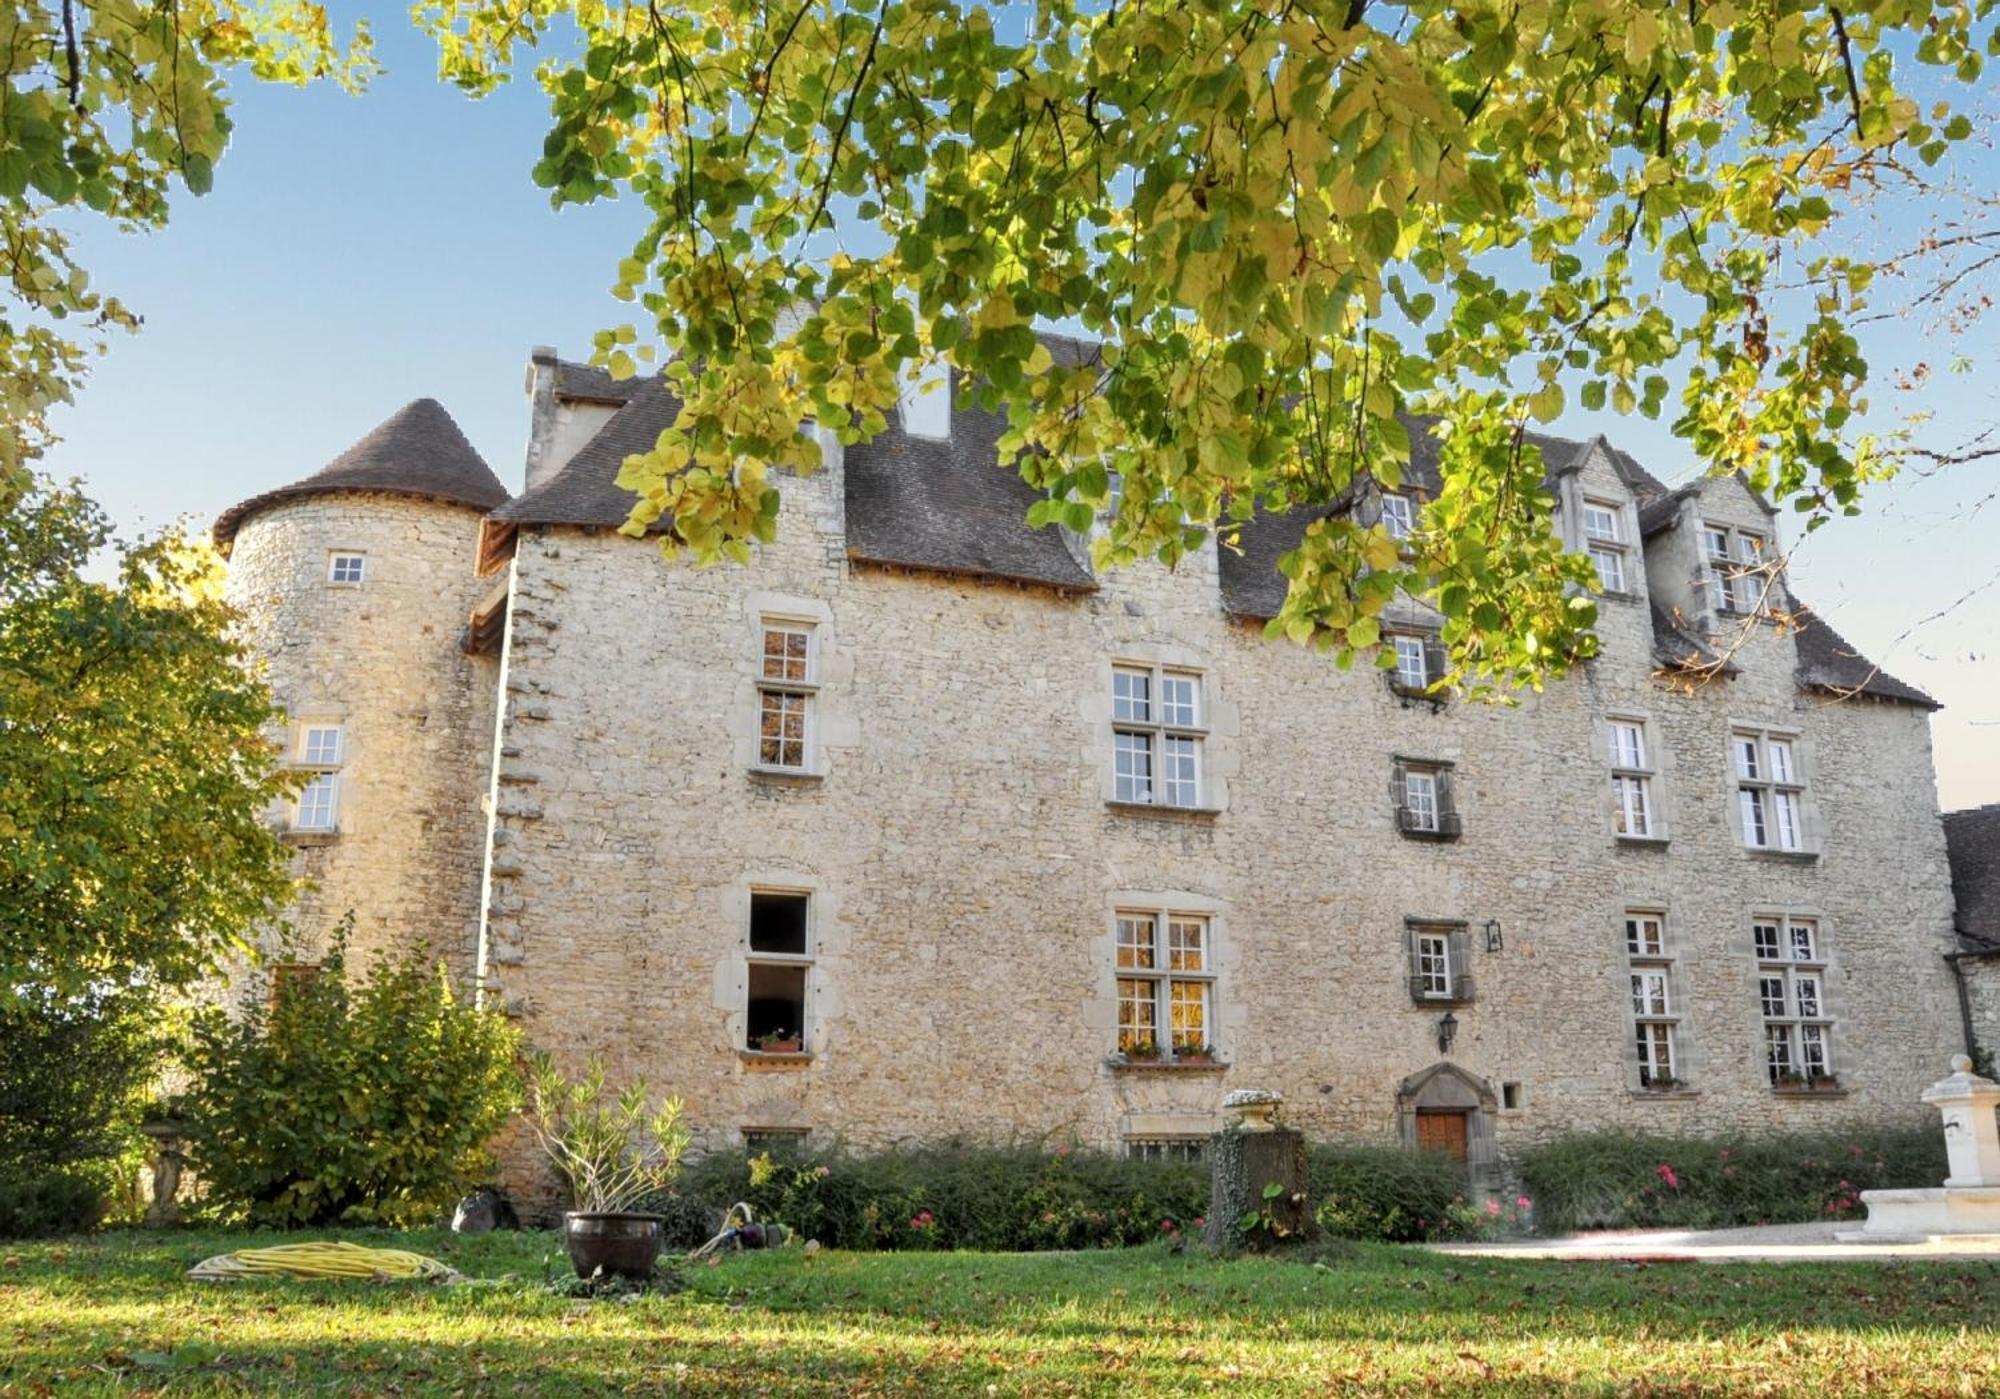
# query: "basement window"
x,y
779,966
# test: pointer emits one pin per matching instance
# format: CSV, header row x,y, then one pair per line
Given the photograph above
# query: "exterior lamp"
x,y
1447,1031
1493,935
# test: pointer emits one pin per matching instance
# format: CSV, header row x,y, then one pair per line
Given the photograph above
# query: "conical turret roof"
x,y
418,451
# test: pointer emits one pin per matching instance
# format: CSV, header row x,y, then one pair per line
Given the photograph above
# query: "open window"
x,y
779,972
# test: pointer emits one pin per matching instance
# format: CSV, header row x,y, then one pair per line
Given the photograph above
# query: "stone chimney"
x,y
540,387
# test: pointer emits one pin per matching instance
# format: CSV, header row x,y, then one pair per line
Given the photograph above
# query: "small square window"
x,y
347,569
320,746
1510,1096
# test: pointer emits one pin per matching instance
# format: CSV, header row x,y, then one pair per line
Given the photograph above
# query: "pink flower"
x,y
1200,1221
1167,1226
1673,1181
1524,1203
1493,1208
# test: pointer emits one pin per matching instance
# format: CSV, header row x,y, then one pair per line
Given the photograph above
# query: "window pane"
x,y
1137,1013
1747,764
1805,991
1779,751
1771,995
1135,941
1411,671
1610,565
1399,516
777,1005
1132,695
1656,1053
1751,801
1420,800
1180,760
1600,522
322,747
317,803
787,653
1717,543
1189,1000
1187,944
1777,1050
1802,941
778,923
1785,807
1642,937
1628,746
1812,1050
1433,965
1133,767
1633,818
1649,993
782,732
1765,935
347,568
1180,700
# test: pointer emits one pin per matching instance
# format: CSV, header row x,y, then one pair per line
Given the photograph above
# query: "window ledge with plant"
x,y
776,1059
1784,857
307,839
1190,1058
1799,1086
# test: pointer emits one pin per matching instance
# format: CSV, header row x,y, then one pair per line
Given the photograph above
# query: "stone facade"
x,y
956,833
383,661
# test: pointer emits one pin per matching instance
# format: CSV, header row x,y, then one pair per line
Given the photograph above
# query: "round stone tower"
x,y
357,585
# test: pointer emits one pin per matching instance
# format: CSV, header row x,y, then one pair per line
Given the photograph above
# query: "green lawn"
x,y
115,1314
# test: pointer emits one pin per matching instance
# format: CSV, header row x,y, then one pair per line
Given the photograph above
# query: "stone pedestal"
x,y
168,1158
1247,1159
1969,1200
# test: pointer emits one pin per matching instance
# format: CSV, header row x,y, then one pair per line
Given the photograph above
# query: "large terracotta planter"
x,y
614,1243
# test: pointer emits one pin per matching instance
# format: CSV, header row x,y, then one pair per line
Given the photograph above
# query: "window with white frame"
x,y
1737,575
787,672
1424,801
1655,1014
1157,731
1191,1149
1604,537
346,567
1770,790
779,971
1166,984
321,750
1791,994
1439,970
1399,515
1631,779
1420,663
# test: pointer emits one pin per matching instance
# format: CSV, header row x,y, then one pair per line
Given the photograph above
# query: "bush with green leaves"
x,y
949,1195
1387,1193
1610,1180
76,1072
339,1102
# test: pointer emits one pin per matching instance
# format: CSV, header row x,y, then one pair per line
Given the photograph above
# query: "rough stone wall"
x,y
385,660
965,865
1982,997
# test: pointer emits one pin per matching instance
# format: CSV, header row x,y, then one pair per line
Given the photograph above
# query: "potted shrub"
x,y
613,1149
1142,1051
781,1042
1194,1052
1662,1083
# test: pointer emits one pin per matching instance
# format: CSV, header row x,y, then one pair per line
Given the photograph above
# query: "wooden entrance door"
x,y
1441,1131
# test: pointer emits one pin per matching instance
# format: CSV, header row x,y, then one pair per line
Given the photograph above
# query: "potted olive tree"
x,y
613,1149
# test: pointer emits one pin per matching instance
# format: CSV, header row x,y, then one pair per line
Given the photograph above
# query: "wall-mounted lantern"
x,y
1493,943
1447,1031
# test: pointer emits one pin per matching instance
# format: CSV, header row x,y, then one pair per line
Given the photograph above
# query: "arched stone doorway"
x,y
1444,1108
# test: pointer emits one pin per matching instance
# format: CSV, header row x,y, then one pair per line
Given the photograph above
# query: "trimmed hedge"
x,y
997,1198
1387,1193
1604,1180
68,1201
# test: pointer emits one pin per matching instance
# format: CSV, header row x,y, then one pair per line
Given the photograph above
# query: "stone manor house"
x,y
918,826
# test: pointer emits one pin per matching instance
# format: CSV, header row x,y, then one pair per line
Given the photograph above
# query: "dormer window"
x,y
345,568
1604,537
1399,516
1734,559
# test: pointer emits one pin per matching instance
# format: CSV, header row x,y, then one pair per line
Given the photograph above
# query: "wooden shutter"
x,y
1435,661
1460,964
1412,961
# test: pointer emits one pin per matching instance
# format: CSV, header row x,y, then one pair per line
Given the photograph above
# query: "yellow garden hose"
x,y
322,1260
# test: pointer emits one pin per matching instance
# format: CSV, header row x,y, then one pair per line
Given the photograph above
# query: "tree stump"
x,y
1243,1165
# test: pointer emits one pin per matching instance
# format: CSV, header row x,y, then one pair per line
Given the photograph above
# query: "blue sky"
x,y
359,253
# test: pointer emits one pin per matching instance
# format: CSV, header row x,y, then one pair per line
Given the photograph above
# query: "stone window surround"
x,y
1745,581
1163,976
1670,959
1218,715
826,946
1653,774
1156,730
1616,546
1826,967
301,723
336,559
1461,986
1574,495
1101,1011
1810,829
830,724
1434,658
1447,824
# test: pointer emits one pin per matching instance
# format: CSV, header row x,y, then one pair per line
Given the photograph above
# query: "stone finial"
x,y
1254,1109
1961,1063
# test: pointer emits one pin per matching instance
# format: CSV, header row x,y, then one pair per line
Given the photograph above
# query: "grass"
x,y
114,1315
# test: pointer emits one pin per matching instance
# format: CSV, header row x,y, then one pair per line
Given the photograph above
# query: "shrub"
x,y
1387,1193
952,1195
75,1074
1606,1180
349,1104
613,1150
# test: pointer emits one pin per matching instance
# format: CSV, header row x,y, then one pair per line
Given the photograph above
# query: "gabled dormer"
x,y
1712,555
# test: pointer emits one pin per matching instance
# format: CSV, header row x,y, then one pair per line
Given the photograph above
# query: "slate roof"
x,y
1972,840
585,491
593,385
1677,648
1828,662
417,451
